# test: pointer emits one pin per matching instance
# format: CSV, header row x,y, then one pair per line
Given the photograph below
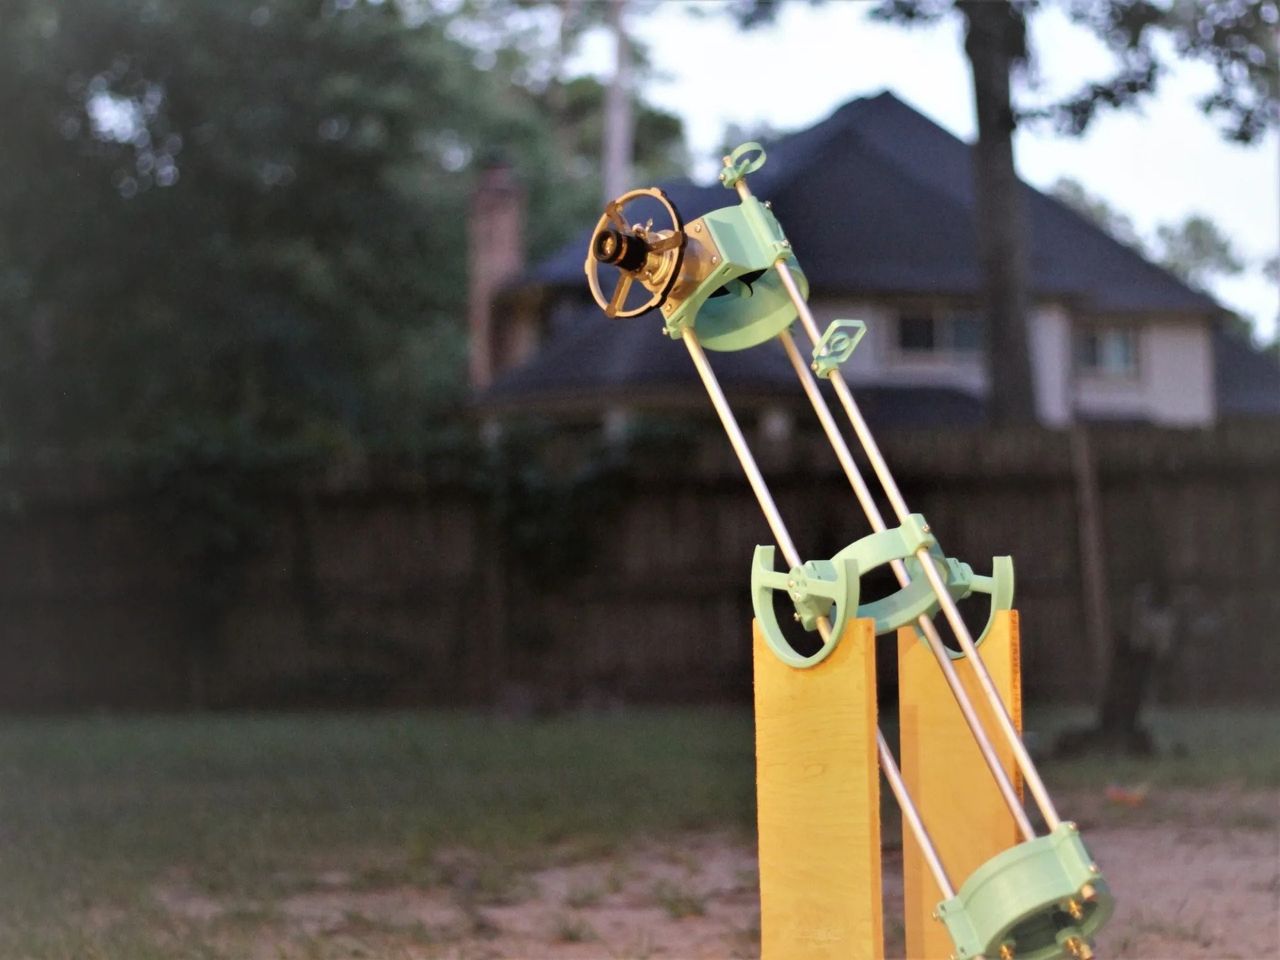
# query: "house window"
x,y
940,331
1107,351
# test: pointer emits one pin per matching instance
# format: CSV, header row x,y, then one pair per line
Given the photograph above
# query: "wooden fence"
x,y
417,591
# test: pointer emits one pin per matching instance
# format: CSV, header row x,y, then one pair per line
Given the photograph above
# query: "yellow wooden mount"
x,y
818,801
945,774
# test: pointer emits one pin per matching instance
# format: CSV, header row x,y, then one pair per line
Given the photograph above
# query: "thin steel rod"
x,y
949,609
779,529
739,444
910,814
1007,790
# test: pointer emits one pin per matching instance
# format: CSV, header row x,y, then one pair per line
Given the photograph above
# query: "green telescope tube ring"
x,y
1033,898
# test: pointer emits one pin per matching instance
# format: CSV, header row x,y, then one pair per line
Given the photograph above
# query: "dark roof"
x,y
877,198
1248,381
590,359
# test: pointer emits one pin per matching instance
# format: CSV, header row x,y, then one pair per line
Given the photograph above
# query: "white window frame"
x,y
943,317
1110,360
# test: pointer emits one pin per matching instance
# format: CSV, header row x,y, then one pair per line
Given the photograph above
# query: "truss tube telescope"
x,y
729,280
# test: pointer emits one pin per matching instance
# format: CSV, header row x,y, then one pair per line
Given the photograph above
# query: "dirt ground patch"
x,y
1196,874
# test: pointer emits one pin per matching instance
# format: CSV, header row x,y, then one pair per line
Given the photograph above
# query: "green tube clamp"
x,y
837,346
729,292
741,303
1043,899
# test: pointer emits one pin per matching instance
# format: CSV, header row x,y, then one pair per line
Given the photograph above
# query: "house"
x,y
877,201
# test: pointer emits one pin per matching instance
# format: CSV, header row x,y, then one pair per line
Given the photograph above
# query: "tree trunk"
x,y
994,41
618,115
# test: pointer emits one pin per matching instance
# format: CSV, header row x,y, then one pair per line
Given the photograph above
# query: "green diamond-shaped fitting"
x,y
837,346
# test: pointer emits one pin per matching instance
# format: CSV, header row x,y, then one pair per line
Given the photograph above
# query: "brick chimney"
x,y
495,256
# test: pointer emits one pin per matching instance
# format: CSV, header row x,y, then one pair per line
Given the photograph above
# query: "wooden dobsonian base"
x,y
818,801
946,776
818,792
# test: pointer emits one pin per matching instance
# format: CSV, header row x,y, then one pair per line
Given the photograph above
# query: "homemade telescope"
x,y
729,280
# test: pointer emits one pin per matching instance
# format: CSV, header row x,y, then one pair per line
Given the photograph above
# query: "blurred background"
x,y
330,503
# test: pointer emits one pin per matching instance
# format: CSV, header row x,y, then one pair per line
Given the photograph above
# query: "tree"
x,y
232,243
1236,37
1196,250
995,41
245,196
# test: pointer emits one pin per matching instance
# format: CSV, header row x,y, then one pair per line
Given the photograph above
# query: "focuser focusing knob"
x,y
622,250
642,256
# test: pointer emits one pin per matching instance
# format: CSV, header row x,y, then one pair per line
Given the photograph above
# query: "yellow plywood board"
x,y
947,777
818,797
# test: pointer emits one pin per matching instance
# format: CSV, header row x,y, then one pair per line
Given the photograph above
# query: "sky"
x,y
1157,164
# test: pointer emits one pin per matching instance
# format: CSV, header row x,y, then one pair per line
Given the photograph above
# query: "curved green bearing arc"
x,y
1033,898
819,588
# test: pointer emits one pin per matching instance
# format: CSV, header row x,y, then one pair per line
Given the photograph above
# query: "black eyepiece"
x,y
622,250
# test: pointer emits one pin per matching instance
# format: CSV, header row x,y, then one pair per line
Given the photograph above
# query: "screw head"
x,y
715,259
697,228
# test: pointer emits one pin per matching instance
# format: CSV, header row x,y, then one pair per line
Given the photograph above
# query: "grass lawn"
x,y
100,815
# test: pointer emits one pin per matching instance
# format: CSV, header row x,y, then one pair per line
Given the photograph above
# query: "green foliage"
x,y
254,211
1237,38
1196,250
1234,37
212,214
233,234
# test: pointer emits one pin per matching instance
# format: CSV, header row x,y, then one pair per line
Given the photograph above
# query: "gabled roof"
x,y
878,199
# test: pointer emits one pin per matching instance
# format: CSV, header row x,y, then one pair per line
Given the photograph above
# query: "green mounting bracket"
x,y
747,158
831,588
819,586
837,346
728,290
1042,900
